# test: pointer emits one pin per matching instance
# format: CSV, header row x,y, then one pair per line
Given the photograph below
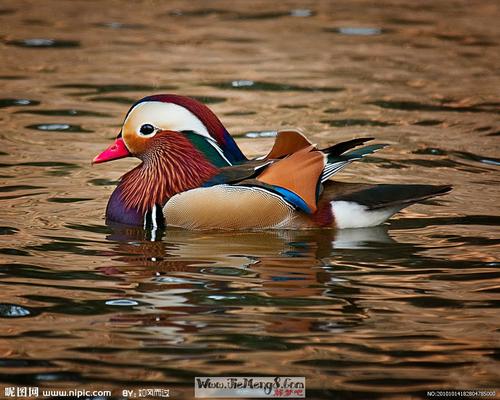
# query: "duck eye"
x,y
147,129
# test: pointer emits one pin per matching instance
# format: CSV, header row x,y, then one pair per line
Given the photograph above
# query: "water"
x,y
389,312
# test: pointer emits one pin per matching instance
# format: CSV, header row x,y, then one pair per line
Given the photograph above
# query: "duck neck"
x,y
170,167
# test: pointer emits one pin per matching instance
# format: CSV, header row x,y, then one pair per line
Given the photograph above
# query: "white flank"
x,y
348,214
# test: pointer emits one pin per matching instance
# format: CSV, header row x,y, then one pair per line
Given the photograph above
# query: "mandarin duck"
x,y
193,175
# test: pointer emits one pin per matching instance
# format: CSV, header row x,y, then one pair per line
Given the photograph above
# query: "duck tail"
x,y
374,204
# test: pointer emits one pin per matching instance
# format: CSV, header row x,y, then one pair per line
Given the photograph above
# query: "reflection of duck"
x,y
191,274
137,246
276,259
194,173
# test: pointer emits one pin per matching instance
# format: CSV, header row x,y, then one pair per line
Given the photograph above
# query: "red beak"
x,y
114,152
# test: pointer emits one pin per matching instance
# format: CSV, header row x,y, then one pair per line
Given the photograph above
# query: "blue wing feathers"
x,y
292,198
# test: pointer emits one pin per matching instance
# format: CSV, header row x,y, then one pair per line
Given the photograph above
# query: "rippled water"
x,y
388,312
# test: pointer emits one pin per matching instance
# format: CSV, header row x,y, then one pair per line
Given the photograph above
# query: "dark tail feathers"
x,y
340,148
382,196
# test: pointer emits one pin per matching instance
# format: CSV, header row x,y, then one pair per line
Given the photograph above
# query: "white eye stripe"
x,y
166,116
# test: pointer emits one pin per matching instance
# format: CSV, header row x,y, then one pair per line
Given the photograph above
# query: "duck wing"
x,y
267,200
290,141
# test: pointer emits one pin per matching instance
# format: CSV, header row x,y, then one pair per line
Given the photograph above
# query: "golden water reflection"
x,y
381,313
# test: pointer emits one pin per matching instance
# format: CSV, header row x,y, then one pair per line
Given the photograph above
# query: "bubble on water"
x,y
57,128
114,25
122,303
261,134
54,127
490,161
242,83
217,297
17,102
38,42
43,43
301,12
358,31
13,311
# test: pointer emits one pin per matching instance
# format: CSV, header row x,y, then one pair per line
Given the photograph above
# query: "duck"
x,y
194,176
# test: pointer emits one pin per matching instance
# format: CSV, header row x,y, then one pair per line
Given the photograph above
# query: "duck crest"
x,y
212,123
168,168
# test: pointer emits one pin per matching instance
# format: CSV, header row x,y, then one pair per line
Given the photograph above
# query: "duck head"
x,y
181,143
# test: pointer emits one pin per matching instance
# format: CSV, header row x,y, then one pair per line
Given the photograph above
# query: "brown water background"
x,y
389,312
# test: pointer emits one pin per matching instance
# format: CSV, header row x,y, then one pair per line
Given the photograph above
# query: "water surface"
x,y
389,312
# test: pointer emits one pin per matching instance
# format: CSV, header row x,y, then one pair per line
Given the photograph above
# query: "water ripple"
x,y
111,88
357,31
58,127
13,311
65,113
41,43
17,102
416,106
243,84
